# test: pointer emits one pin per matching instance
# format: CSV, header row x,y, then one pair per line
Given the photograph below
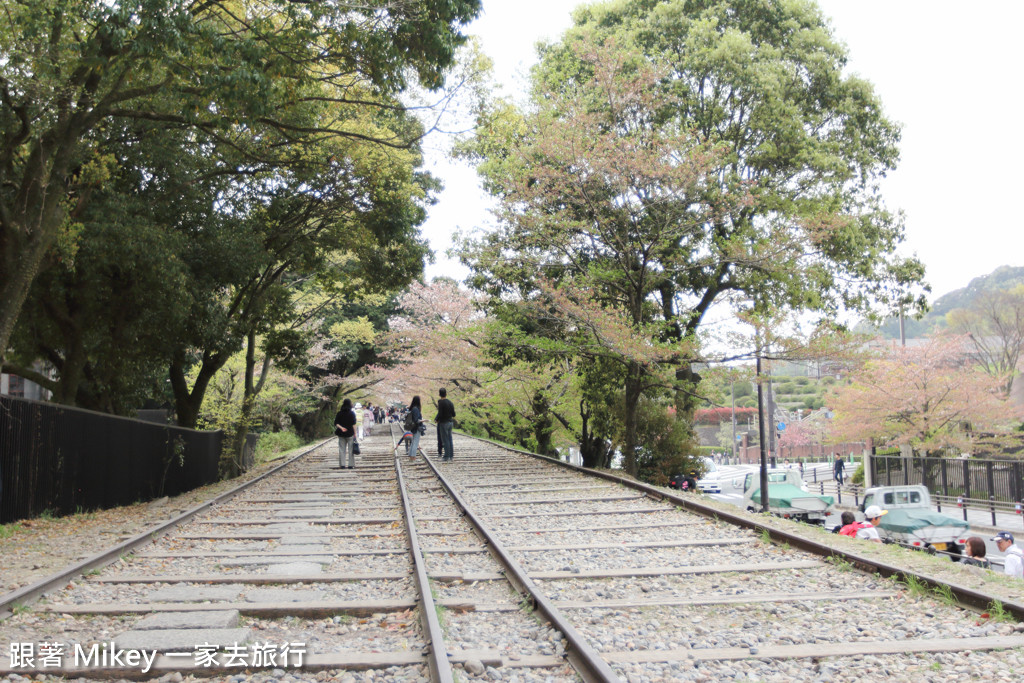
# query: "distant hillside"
x,y
1002,277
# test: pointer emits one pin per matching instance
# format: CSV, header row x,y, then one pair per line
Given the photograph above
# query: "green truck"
x,y
912,522
788,496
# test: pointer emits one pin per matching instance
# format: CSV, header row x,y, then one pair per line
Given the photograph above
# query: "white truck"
x,y
912,522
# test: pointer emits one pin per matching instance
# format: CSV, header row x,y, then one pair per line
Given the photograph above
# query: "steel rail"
x,y
964,595
591,667
440,667
28,594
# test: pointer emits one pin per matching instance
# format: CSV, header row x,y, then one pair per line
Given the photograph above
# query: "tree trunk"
x,y
18,268
319,422
543,425
188,403
632,400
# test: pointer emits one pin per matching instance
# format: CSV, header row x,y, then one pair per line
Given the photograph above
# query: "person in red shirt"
x,y
851,526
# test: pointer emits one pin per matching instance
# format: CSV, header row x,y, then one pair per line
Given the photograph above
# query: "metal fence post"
x,y
989,474
945,479
967,486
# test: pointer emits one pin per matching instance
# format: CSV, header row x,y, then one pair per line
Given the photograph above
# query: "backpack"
x,y
410,422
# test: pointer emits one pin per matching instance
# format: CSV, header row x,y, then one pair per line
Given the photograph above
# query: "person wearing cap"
x,y
868,532
1013,562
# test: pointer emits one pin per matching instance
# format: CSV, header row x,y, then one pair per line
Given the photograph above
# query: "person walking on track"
x,y
445,421
345,429
415,425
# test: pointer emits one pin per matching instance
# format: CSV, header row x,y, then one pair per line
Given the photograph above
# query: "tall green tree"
x,y
785,154
228,68
594,199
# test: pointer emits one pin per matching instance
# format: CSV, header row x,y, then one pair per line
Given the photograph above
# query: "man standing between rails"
x,y
445,421
1013,563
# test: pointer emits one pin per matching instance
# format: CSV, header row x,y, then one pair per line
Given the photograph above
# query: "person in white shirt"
x,y
1013,562
873,515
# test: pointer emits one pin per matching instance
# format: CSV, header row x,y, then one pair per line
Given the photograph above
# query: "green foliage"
x,y
273,443
916,587
998,613
858,475
839,563
619,231
944,594
250,95
666,445
8,530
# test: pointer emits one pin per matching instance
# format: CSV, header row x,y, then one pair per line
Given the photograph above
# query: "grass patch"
x,y
996,612
8,530
914,585
839,563
945,594
273,444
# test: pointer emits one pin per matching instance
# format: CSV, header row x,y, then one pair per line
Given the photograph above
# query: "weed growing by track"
x,y
945,595
839,563
914,585
996,612
442,617
8,530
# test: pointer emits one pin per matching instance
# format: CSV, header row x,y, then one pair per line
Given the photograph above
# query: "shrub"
x,y
714,416
272,443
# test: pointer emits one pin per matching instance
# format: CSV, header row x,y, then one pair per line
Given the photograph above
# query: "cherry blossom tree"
x,y
433,342
929,396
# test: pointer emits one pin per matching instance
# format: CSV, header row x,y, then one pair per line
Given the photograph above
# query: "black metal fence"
x,y
63,460
1001,481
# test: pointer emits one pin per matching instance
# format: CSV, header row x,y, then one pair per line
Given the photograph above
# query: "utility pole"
x,y
761,432
772,445
732,403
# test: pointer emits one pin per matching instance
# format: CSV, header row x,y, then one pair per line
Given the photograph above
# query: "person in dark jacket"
x,y
417,421
445,421
974,549
345,428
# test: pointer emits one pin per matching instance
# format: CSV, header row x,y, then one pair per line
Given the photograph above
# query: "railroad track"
x,y
496,566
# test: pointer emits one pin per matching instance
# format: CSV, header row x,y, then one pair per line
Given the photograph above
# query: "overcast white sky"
x,y
949,72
